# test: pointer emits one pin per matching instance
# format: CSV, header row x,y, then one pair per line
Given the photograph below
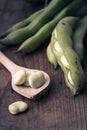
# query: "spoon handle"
x,y
7,63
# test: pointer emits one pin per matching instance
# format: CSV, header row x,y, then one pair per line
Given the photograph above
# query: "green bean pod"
x,y
51,57
78,38
22,24
45,32
67,58
49,12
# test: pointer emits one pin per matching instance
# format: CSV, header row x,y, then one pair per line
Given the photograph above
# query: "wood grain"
x,y
57,109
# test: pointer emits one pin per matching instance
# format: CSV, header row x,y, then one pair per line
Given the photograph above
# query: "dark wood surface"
x,y
57,109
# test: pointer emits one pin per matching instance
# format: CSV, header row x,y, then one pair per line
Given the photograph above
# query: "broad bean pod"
x,y
67,58
49,12
78,38
51,57
22,24
45,32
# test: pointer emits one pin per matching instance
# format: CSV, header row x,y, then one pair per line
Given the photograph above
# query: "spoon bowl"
x,y
28,92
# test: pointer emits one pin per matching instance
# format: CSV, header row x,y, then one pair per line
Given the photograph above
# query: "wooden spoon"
x,y
24,91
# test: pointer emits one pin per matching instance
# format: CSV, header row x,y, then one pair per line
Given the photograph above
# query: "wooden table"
x,y
57,109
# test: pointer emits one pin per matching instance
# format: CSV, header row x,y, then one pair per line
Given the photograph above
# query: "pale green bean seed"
x,y
58,48
70,78
28,73
36,79
19,77
65,62
17,107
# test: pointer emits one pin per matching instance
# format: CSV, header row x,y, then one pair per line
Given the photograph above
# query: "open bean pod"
x,y
67,58
51,57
